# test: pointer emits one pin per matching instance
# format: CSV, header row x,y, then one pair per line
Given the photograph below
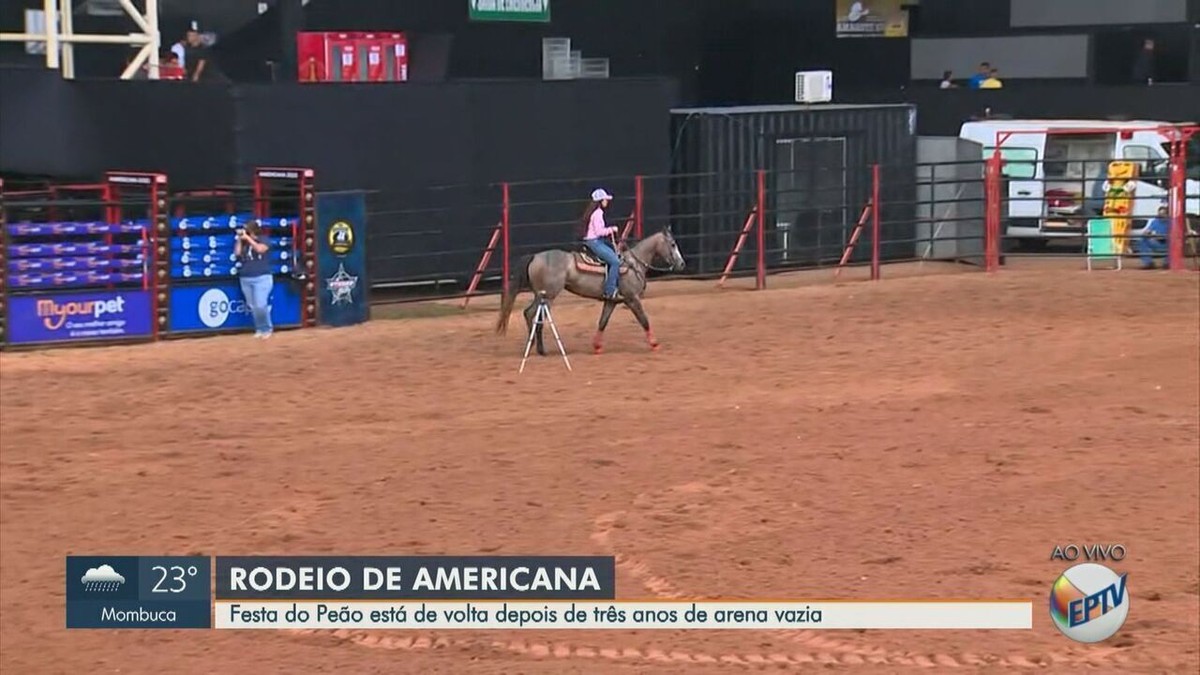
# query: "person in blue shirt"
x,y
985,71
255,276
1153,238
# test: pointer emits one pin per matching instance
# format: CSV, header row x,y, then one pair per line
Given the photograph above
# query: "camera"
x,y
241,232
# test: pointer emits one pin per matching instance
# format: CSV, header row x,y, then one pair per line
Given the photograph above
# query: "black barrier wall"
x,y
383,137
54,127
942,112
355,136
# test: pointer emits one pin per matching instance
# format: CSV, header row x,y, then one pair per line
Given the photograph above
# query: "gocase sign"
x,y
510,10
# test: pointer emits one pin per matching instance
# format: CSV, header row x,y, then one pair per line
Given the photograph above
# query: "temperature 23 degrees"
x,y
173,578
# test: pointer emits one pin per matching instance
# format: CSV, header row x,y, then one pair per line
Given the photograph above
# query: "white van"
x,y
1055,170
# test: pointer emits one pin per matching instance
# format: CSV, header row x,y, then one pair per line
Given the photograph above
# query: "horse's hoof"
x,y
597,350
654,346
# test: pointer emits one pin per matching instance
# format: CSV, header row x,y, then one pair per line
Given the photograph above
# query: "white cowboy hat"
x,y
600,194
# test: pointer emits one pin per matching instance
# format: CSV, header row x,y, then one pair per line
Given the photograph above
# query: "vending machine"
x,y
352,57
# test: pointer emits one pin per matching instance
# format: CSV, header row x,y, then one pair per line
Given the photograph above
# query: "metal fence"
x,y
461,240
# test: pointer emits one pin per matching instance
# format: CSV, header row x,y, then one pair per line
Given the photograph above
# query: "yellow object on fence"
x,y
1118,201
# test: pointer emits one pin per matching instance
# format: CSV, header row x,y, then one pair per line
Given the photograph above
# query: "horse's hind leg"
x,y
530,315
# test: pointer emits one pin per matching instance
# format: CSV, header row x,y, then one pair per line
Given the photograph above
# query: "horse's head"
x,y
668,250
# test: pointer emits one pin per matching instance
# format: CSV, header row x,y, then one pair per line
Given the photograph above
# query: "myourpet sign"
x,y
415,577
509,10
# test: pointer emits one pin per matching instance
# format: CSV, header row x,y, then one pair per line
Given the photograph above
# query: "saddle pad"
x,y
587,262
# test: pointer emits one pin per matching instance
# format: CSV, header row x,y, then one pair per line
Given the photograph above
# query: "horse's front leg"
x,y
605,315
635,305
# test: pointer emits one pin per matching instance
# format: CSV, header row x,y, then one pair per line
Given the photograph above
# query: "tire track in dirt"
x,y
818,649
830,651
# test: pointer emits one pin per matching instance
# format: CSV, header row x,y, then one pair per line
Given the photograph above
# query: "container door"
x,y
810,200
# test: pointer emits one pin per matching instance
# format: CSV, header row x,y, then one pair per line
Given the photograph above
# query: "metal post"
x,y
151,28
1177,202
638,209
68,30
760,279
875,209
50,8
991,230
3,268
505,226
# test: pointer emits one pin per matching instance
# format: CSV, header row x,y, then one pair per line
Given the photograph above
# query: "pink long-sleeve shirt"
x,y
596,227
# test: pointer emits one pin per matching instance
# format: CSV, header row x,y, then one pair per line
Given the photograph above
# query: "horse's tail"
x,y
517,282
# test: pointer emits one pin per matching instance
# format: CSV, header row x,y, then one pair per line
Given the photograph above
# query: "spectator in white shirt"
x,y
948,81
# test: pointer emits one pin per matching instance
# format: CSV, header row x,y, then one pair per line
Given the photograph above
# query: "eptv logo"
x,y
1089,602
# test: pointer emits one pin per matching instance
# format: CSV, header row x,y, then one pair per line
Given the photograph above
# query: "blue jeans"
x,y
1148,247
257,290
609,256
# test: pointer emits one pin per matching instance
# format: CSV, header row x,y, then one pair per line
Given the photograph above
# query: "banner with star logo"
x,y
342,259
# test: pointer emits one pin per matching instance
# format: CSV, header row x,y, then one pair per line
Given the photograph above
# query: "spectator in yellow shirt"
x,y
993,81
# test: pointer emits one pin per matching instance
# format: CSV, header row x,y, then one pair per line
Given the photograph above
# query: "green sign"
x,y
510,10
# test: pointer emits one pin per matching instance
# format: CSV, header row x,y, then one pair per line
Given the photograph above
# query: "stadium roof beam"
x,y
60,37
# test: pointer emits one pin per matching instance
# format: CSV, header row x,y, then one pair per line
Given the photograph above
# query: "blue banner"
x,y
79,316
342,258
220,306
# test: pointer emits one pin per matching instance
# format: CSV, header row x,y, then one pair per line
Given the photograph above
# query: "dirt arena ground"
x,y
933,436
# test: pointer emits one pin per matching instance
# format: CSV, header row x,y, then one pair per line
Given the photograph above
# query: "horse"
x,y
550,272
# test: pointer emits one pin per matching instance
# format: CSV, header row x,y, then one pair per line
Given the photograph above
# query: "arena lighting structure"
x,y
60,34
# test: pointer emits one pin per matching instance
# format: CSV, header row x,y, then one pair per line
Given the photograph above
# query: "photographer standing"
x,y
250,248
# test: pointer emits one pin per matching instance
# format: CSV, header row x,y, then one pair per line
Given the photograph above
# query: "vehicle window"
x,y
1055,165
1019,163
1138,153
1150,164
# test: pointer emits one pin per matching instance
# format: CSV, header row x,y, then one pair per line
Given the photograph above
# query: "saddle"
x,y
586,261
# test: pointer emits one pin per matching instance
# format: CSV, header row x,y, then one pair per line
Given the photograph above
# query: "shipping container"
x,y
818,162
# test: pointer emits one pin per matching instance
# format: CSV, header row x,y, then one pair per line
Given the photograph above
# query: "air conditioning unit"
x,y
102,8
814,86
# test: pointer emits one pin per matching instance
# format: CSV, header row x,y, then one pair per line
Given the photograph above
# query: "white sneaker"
x,y
265,336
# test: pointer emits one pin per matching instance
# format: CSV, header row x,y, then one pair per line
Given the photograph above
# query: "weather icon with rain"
x,y
102,578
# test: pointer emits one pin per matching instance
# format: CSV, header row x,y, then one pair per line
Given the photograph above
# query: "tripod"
x,y
541,318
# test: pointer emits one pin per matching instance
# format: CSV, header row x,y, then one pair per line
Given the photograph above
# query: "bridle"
x,y
643,263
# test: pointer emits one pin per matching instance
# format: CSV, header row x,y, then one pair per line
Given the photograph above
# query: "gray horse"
x,y
551,272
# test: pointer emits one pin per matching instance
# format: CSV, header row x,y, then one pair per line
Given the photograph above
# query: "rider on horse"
x,y
597,240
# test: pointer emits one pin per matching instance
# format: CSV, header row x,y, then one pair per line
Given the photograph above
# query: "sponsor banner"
x,y
510,10
220,306
80,316
342,258
872,18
